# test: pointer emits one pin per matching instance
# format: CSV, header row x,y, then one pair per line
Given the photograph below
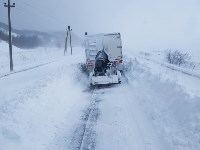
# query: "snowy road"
x,y
112,121
124,125
50,108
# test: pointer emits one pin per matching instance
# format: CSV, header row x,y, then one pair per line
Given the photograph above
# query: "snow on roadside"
x,y
188,83
174,113
23,58
45,104
36,122
192,65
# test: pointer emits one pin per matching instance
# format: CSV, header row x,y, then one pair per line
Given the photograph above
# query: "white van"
x,y
111,44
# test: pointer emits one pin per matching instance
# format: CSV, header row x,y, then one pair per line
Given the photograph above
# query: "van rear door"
x,y
113,46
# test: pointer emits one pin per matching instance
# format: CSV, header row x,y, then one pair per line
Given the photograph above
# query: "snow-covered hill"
x,y
29,39
51,107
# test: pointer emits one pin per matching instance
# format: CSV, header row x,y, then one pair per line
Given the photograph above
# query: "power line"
x,y
41,12
20,11
34,14
40,15
36,8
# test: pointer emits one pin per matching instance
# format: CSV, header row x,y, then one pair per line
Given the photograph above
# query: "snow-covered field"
x,y
187,77
51,107
23,59
191,66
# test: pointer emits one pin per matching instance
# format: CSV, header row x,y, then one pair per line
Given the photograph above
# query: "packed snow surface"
x,y
52,107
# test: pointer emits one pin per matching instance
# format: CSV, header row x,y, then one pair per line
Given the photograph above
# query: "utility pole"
x,y
10,36
70,40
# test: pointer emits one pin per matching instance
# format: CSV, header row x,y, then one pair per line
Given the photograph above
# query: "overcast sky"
x,y
144,24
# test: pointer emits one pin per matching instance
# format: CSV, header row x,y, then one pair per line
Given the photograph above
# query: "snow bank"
x,y
158,56
38,108
187,78
174,113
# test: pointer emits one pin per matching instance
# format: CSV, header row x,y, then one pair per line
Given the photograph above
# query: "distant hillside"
x,y
28,39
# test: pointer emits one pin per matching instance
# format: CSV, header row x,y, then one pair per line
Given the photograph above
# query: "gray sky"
x,y
144,24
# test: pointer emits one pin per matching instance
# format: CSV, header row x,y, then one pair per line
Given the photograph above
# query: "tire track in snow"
x,y
85,135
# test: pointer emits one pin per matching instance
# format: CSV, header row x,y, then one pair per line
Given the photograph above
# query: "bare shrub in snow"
x,y
177,57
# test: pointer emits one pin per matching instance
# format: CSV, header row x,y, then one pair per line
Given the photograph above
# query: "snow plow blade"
x,y
100,80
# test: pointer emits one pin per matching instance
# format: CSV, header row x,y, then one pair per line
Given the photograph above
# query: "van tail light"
x,y
90,64
117,61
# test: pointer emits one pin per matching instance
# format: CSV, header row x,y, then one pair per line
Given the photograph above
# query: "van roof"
x,y
105,34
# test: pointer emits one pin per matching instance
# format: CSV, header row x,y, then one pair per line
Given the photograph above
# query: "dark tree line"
x,y
3,36
22,41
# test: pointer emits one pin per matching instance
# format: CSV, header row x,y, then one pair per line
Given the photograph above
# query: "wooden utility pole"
x,y
10,35
70,40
